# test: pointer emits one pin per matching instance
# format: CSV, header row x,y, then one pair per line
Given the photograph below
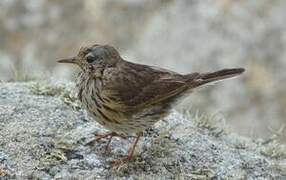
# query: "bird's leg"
x,y
107,135
111,134
132,148
107,149
102,136
130,152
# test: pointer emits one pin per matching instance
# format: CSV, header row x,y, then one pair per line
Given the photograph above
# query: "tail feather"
x,y
216,76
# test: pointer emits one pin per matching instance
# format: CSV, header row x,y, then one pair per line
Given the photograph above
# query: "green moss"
x,y
70,100
200,174
215,123
65,143
162,146
275,150
46,89
272,146
52,158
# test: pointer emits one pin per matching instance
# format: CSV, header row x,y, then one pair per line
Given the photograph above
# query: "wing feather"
x,y
135,87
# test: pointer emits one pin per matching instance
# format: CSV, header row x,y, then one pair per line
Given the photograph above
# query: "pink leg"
x,y
109,136
130,152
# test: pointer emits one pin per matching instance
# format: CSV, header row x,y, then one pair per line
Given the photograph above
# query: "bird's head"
x,y
93,57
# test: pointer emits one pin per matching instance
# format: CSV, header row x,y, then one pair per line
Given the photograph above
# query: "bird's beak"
x,y
72,60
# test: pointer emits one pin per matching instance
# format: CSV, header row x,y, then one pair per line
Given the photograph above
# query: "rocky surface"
x,y
44,134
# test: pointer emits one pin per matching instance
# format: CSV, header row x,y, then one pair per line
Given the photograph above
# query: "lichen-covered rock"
x,y
44,134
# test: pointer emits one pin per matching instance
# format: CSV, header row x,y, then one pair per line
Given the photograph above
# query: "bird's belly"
x,y
132,124
114,120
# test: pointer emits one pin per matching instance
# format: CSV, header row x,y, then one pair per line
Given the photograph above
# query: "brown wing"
x,y
135,86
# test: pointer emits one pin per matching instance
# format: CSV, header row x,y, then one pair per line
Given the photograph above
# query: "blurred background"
x,y
183,35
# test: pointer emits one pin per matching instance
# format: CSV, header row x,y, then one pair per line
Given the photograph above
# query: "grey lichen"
x,y
43,137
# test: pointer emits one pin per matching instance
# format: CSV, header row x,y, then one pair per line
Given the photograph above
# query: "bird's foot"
x,y
107,135
117,163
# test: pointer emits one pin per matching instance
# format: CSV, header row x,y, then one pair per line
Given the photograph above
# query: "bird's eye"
x,y
90,59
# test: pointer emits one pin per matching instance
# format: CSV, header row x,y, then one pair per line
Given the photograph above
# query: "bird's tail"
x,y
206,78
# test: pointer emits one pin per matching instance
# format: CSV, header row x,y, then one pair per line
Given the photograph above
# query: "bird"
x,y
128,98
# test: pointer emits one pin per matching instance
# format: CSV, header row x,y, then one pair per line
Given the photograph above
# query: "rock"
x,y
44,134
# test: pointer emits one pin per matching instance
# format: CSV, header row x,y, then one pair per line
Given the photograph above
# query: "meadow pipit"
x,y
128,98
